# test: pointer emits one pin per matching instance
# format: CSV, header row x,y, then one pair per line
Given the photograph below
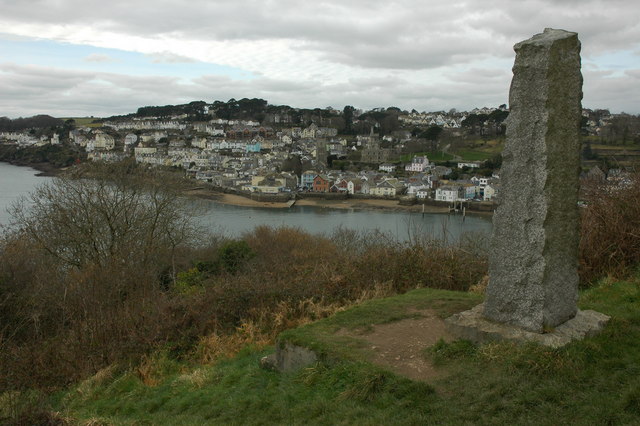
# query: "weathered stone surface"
x,y
472,325
533,260
269,362
289,358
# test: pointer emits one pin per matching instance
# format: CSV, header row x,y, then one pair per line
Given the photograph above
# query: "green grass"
x,y
431,155
594,381
84,121
237,391
320,336
475,155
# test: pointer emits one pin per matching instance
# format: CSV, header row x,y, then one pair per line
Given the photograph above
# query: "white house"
x,y
141,151
199,143
423,193
366,187
389,168
310,132
418,164
470,165
354,186
104,141
490,192
130,139
413,188
387,188
449,193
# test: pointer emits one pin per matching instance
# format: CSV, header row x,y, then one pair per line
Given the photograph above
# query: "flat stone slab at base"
x,y
471,325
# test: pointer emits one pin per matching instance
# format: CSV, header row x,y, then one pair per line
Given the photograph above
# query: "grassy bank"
x,y
589,382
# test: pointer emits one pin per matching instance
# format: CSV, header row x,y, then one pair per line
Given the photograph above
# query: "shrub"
x,y
610,232
189,281
234,254
65,321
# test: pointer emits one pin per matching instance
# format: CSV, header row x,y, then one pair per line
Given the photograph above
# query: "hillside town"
x,y
252,148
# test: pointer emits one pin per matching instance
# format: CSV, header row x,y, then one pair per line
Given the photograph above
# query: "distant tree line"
x,y
193,109
56,155
486,124
383,121
254,109
35,122
622,128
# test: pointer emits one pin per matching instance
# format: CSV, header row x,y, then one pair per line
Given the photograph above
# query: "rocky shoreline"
x,y
43,168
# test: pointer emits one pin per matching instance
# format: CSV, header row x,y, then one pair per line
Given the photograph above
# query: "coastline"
x,y
348,204
44,168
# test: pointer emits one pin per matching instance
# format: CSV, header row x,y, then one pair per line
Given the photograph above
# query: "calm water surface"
x,y
233,221
14,182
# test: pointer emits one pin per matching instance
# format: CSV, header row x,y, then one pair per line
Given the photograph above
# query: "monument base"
x,y
471,325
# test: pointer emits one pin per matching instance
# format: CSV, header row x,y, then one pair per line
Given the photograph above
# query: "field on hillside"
x,y
615,155
478,150
84,121
611,155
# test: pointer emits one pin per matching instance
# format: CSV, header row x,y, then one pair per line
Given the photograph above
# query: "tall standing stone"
x,y
533,278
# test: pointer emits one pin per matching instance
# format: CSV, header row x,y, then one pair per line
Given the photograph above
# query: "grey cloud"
x,y
28,90
411,34
105,94
633,73
283,86
36,78
409,55
615,93
385,82
600,26
482,76
596,73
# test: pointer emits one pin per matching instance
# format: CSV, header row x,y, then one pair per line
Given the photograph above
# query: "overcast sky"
x,y
100,58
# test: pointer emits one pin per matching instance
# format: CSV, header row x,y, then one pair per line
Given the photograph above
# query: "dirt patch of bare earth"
x,y
399,345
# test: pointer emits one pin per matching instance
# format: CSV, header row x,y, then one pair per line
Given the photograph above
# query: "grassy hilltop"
x,y
594,381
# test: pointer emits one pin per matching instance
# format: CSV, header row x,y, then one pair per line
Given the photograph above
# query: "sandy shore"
x,y
368,204
234,200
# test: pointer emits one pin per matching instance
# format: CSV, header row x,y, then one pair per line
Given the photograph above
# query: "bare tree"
x,y
116,215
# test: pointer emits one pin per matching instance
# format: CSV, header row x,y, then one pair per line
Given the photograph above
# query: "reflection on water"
x,y
233,221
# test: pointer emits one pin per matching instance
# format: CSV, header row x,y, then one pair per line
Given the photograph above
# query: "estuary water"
x,y
233,221
14,182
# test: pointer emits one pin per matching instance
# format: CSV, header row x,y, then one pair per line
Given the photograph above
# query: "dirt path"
x,y
399,345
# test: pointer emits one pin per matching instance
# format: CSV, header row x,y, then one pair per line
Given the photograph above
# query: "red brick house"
x,y
321,183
